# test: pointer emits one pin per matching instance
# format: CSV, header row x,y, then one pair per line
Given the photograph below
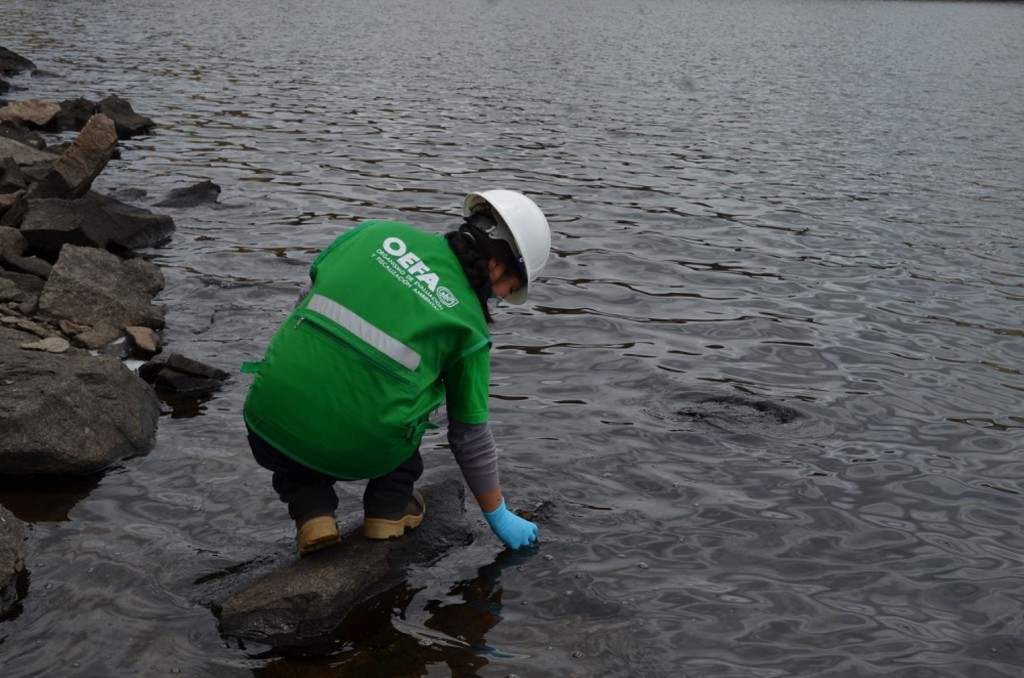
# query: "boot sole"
x,y
378,528
319,545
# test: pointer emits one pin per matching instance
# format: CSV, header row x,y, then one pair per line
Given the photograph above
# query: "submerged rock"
x,y
302,600
197,194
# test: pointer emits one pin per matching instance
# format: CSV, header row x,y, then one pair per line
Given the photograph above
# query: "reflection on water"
x,y
770,383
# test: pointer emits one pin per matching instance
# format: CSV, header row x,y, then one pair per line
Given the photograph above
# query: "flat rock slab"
x,y
35,111
302,600
23,154
93,220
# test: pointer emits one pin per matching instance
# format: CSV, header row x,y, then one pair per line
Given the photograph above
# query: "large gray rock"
x,y
94,220
73,173
301,600
12,557
92,287
70,412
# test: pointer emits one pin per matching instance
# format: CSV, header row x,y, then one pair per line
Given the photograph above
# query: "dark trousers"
x,y
309,493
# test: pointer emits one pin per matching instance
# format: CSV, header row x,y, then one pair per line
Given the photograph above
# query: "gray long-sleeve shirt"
x,y
475,453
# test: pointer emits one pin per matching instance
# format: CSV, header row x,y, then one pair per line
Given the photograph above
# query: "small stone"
x,y
51,345
144,339
26,326
71,328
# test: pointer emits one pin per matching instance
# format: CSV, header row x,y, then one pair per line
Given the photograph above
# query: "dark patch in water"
x,y
742,415
737,409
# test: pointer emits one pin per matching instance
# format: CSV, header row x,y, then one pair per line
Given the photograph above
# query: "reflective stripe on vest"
x,y
372,335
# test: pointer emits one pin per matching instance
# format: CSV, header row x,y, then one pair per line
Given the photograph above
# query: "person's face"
x,y
503,282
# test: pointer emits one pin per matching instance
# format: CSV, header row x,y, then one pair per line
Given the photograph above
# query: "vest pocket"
x,y
315,324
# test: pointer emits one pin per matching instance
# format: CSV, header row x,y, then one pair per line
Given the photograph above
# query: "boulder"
x,y
9,200
69,413
33,112
11,177
91,287
196,194
182,376
26,282
10,291
11,62
74,171
301,600
22,134
31,265
94,220
23,154
12,241
12,557
74,113
128,122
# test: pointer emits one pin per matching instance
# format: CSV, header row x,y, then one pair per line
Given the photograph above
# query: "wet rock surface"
x,y
286,601
68,412
12,557
198,194
182,376
93,220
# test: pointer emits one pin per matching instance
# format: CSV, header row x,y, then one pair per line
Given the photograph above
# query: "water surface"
x,y
770,382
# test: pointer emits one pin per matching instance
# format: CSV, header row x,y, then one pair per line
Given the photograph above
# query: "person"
x,y
395,323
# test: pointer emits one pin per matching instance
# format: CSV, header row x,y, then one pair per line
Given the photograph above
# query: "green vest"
x,y
350,379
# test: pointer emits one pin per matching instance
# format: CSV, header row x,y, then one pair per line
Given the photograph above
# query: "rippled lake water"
x,y
771,383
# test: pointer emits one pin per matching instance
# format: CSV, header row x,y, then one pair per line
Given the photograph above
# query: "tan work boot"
x,y
394,524
317,533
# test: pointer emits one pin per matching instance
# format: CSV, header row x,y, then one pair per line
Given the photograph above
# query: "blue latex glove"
x,y
510,528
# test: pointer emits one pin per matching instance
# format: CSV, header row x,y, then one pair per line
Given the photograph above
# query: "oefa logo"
x,y
415,267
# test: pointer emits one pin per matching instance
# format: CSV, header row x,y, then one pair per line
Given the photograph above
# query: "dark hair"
x,y
474,250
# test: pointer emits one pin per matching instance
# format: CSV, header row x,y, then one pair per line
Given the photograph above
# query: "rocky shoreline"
x,y
75,301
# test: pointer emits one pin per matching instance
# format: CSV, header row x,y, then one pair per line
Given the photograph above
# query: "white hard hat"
x,y
522,225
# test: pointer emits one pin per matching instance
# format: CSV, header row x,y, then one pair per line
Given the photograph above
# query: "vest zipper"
x,y
374,362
